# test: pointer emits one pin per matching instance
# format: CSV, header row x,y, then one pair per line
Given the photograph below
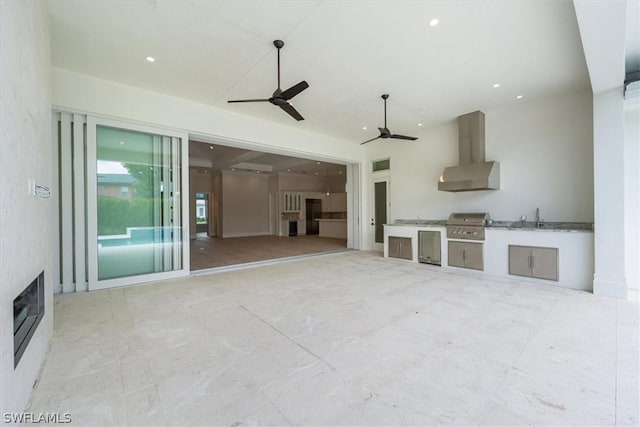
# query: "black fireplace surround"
x,y
28,311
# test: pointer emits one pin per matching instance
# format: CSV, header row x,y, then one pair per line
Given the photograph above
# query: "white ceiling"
x,y
220,157
350,52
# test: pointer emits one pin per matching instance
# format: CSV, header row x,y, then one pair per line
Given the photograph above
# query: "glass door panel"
x,y
380,210
138,203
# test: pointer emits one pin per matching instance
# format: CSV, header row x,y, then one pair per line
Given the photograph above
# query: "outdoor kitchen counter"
x,y
419,222
504,225
574,242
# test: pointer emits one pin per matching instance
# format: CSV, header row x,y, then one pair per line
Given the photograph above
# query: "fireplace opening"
x,y
28,311
293,228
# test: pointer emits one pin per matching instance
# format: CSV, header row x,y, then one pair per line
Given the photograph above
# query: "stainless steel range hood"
x,y
473,173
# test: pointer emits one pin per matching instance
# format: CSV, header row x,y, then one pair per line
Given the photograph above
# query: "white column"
x,y
632,197
608,169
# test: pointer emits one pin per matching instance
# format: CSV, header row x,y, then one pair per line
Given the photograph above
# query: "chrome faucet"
x,y
537,217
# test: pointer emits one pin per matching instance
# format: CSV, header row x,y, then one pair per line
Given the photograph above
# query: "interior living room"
x,y
249,206
484,232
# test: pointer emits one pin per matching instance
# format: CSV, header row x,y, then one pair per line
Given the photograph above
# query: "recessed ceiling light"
x,y
121,142
211,147
434,22
151,59
519,97
364,128
420,124
496,85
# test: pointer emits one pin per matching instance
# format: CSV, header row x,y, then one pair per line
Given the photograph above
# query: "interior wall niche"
x,y
28,311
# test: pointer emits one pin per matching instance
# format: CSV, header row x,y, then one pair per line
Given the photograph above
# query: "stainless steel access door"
x,y
429,247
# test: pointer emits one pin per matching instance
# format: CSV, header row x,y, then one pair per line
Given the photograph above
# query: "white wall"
x,y
74,91
632,197
545,152
245,204
25,152
90,94
302,182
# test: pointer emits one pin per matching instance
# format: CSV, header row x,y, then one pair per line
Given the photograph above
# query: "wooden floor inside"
x,y
210,252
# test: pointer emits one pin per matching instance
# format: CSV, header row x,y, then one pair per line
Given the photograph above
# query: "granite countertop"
x,y
420,222
504,225
544,226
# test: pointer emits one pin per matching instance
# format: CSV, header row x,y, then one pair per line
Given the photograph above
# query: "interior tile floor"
x,y
210,252
342,339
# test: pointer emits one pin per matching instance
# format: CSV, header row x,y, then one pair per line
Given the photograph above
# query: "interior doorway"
x,y
202,213
244,211
313,209
380,198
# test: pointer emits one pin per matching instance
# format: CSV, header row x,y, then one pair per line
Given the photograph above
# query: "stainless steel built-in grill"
x,y
466,226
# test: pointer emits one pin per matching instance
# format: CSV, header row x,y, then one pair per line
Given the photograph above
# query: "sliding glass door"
x,y
136,212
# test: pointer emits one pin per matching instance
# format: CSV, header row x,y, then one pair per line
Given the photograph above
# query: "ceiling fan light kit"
x,y
281,98
385,133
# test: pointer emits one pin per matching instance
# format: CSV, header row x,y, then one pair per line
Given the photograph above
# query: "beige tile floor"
x,y
343,339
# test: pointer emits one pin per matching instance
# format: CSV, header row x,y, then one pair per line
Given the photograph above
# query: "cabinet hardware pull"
x,y
533,261
464,254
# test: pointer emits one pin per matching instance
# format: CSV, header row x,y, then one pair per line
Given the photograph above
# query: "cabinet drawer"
x,y
466,255
544,263
519,260
456,249
534,261
473,257
400,247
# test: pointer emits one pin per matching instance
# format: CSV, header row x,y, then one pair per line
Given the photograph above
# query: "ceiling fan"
x,y
281,98
385,132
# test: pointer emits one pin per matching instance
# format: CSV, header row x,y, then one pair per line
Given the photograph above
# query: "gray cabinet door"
x,y
456,254
394,247
473,256
520,260
400,247
544,263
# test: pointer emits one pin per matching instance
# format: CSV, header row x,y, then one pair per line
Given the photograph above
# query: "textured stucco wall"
x,y
25,153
